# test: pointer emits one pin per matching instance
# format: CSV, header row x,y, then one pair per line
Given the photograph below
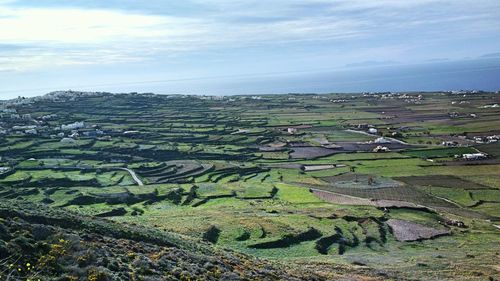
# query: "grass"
x,y
115,178
464,171
240,201
328,172
294,194
491,149
491,180
488,208
254,190
439,152
17,176
103,178
392,167
486,195
457,195
210,190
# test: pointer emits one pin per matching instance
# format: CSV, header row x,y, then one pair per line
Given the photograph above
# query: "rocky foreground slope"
x,y
40,243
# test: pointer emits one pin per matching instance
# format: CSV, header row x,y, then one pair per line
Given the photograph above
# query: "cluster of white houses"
x,y
24,124
475,156
487,139
73,126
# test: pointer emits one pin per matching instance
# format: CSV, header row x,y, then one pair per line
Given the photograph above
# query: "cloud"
x,y
62,36
371,63
43,33
9,47
491,55
42,36
77,26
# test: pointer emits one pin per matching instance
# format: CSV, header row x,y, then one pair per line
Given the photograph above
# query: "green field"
x,y
222,173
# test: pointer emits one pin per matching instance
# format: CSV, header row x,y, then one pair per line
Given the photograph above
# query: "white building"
x,y
48,117
74,135
291,130
494,138
381,140
73,126
449,143
478,139
372,131
474,156
380,148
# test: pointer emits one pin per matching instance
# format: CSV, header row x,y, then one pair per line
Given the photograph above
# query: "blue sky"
x,y
237,47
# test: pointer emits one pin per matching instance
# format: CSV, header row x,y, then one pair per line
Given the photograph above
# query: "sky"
x,y
248,46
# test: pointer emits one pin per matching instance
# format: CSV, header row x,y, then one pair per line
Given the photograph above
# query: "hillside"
x,y
106,186
47,244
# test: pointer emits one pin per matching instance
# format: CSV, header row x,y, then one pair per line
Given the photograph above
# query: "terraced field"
x,y
295,180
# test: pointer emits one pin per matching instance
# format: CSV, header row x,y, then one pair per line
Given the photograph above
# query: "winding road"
x,y
134,176
377,136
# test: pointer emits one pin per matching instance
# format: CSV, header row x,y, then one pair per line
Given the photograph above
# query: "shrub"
x,y
212,234
95,274
4,232
41,232
137,211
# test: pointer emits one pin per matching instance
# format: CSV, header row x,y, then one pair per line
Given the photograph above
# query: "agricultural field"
x,y
376,187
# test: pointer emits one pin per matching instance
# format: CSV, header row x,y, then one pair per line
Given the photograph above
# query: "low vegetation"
x,y
281,187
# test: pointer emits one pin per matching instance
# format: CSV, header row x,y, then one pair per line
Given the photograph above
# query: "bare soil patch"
x,y
409,231
442,181
361,181
311,152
